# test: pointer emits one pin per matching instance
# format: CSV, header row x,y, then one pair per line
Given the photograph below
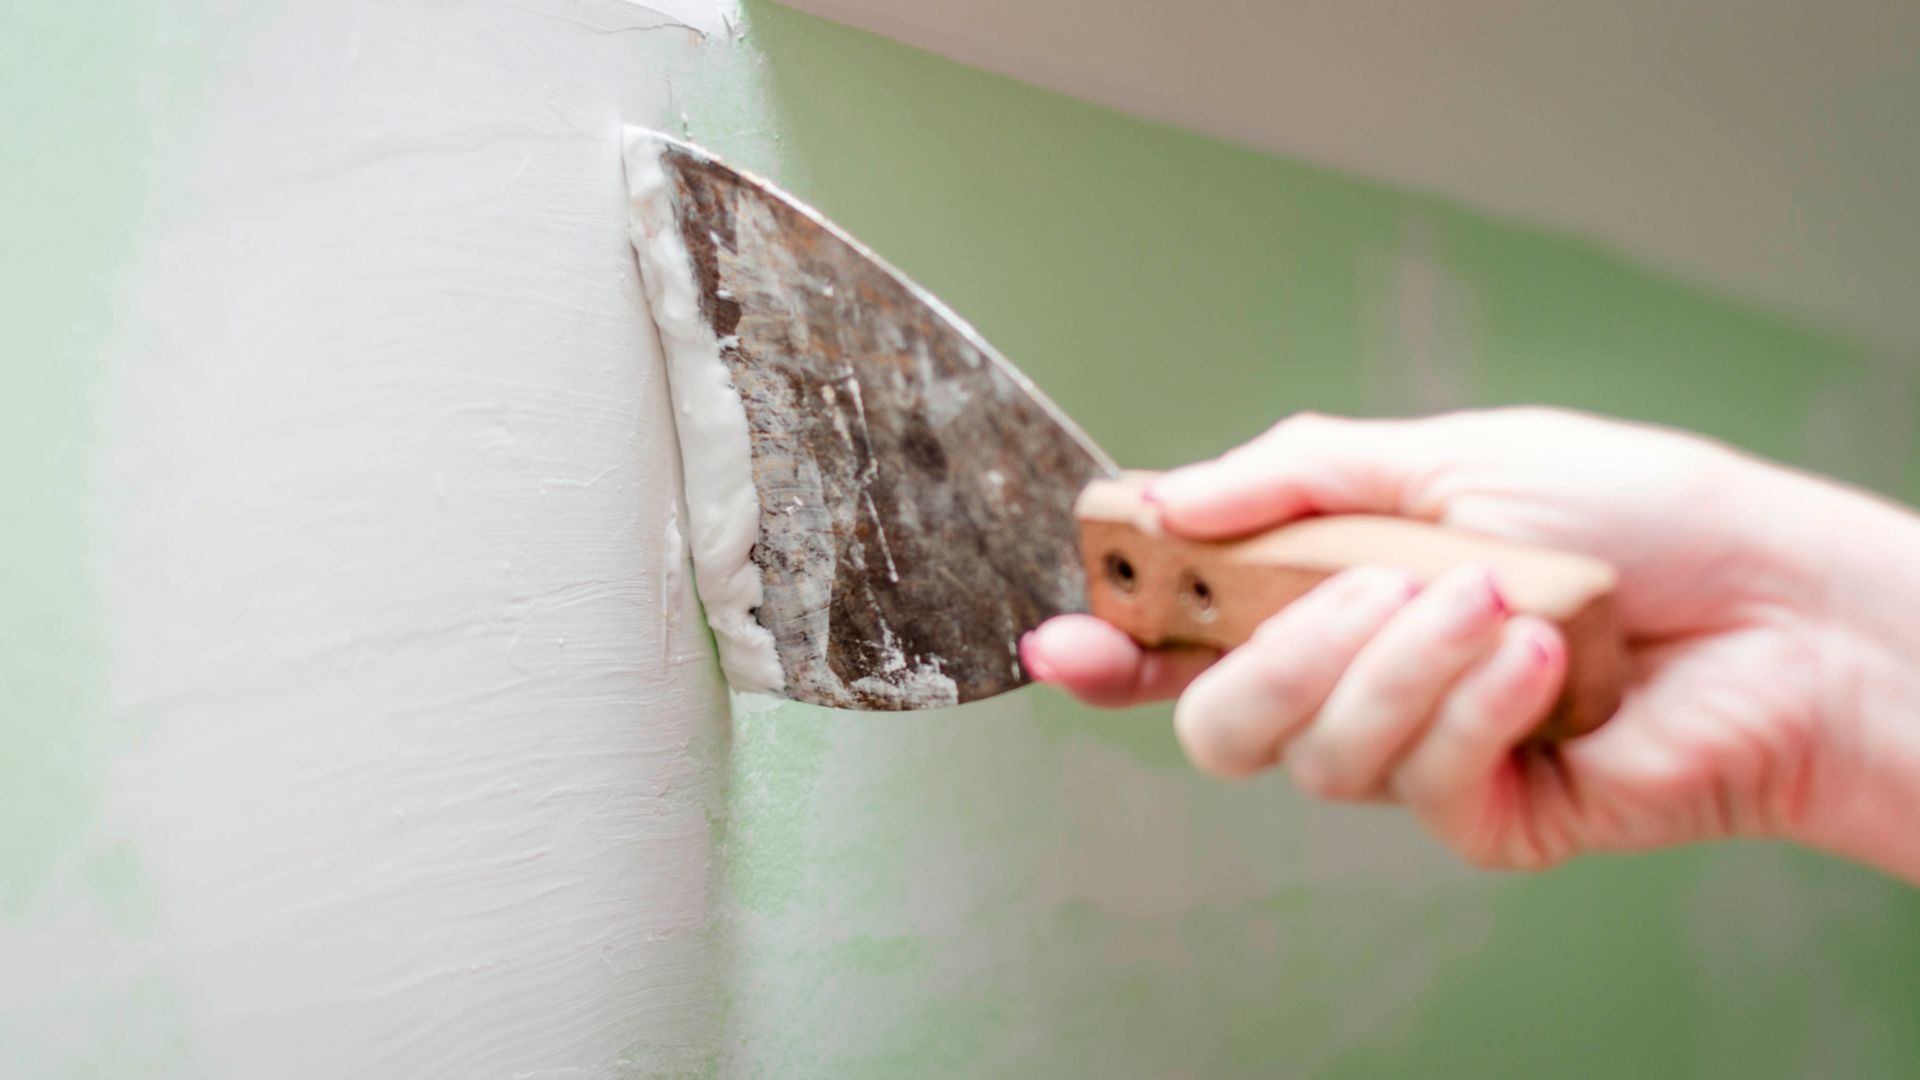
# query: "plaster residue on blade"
x,y
716,465
915,491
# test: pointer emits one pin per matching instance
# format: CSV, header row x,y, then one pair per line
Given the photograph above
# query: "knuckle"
x,y
1330,623
1299,425
1535,418
1460,617
1279,675
1472,716
1389,687
1277,628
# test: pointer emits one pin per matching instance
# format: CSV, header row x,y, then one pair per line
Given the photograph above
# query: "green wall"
x,y
1031,888
75,158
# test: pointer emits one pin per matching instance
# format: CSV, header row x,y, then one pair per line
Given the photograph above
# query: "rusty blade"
x,y
916,490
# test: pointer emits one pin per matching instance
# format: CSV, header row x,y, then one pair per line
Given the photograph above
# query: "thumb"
x,y
1307,464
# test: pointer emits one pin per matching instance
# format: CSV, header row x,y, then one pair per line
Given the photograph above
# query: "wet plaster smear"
x,y
723,506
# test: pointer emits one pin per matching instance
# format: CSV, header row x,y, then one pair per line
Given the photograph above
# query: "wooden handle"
x,y
1165,590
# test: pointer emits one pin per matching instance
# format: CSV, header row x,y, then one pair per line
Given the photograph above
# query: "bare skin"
x,y
1773,623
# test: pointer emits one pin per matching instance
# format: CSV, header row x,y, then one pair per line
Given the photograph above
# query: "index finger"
x,y
1307,464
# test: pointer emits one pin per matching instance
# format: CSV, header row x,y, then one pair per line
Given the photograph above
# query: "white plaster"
x,y
428,736
723,506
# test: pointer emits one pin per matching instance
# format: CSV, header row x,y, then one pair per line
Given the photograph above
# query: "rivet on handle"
x,y
1196,596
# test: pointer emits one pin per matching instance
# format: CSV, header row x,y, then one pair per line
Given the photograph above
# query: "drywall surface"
x,y
1027,888
365,723
1763,147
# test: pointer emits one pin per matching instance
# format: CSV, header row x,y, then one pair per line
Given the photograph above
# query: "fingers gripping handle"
x,y
1166,590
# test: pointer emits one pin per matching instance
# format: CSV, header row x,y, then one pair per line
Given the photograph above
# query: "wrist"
x,y
1863,781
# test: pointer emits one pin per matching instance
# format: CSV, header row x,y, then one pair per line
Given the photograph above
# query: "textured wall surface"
x,y
359,722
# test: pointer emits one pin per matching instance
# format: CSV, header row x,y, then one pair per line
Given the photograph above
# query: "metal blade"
x,y
916,490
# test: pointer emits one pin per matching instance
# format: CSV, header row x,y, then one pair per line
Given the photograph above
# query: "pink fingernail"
x,y
1541,649
1494,599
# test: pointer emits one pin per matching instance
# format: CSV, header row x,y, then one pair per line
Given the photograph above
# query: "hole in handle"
x,y
1196,596
1120,572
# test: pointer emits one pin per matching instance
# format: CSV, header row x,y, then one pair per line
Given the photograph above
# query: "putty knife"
x,y
882,505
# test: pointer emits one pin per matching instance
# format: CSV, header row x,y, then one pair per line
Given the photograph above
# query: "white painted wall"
x,y
417,729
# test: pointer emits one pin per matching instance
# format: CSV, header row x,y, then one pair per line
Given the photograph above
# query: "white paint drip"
x,y
723,508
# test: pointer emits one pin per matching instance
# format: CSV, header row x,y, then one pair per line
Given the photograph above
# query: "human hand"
x,y
1750,645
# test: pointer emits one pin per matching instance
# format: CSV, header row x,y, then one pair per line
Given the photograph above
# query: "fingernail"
x,y
1541,649
1404,587
1491,590
1475,598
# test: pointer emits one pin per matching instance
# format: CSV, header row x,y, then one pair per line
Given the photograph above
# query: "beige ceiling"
x,y
1767,148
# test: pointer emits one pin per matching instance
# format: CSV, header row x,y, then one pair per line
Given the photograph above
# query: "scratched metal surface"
x,y
916,490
